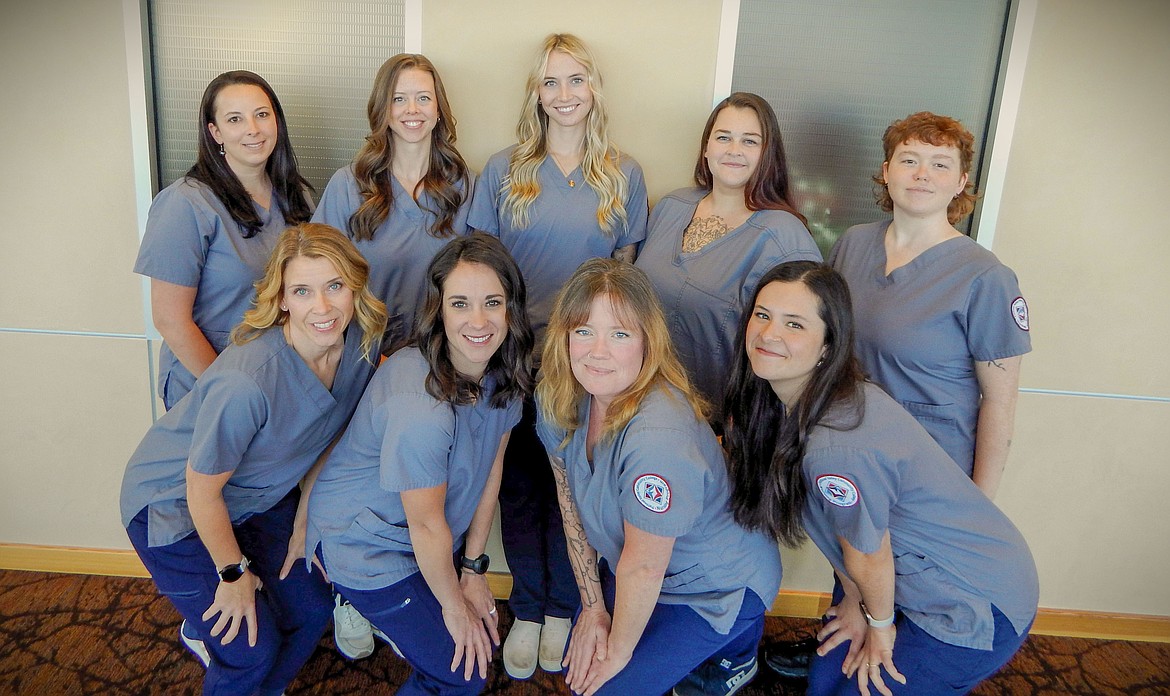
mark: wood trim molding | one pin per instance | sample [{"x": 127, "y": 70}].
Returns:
[{"x": 808, "y": 605}]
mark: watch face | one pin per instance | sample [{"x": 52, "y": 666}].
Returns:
[
  {"x": 231, "y": 573},
  {"x": 479, "y": 566}
]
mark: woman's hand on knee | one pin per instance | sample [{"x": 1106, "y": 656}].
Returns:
[
  {"x": 878, "y": 653},
  {"x": 588, "y": 642},
  {"x": 472, "y": 647},
  {"x": 235, "y": 602},
  {"x": 479, "y": 598}
]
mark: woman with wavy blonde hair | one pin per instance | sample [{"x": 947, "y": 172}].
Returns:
[
  {"x": 408, "y": 190},
  {"x": 211, "y": 498},
  {"x": 667, "y": 579},
  {"x": 561, "y": 195}
]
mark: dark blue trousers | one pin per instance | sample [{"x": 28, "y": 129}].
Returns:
[
  {"x": 931, "y": 667},
  {"x": 531, "y": 529},
  {"x": 409, "y": 614},
  {"x": 291, "y": 614},
  {"x": 677, "y": 640}
]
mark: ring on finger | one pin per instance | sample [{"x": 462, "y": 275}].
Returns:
[{"x": 493, "y": 610}]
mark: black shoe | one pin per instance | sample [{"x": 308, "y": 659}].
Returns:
[{"x": 790, "y": 659}]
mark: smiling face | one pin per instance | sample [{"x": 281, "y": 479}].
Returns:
[
  {"x": 475, "y": 317},
  {"x": 734, "y": 146},
  {"x": 605, "y": 352},
  {"x": 245, "y": 125},
  {"x": 319, "y": 305},
  {"x": 564, "y": 91},
  {"x": 414, "y": 111},
  {"x": 785, "y": 337},
  {"x": 922, "y": 178}
]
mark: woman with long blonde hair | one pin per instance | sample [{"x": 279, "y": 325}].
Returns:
[{"x": 561, "y": 195}]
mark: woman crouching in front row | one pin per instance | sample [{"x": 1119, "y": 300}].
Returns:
[{"x": 939, "y": 588}]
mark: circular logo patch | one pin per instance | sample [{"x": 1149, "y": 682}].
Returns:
[
  {"x": 652, "y": 492},
  {"x": 1020, "y": 313},
  {"x": 838, "y": 490}
]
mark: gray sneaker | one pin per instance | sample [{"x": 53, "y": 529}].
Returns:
[
  {"x": 721, "y": 679},
  {"x": 196, "y": 646},
  {"x": 351, "y": 630}
]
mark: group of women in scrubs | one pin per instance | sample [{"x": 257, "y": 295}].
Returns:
[{"x": 641, "y": 560}]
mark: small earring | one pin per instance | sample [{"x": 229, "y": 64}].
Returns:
[
  {"x": 955, "y": 197},
  {"x": 820, "y": 362},
  {"x": 283, "y": 308},
  {"x": 221, "y": 152}
]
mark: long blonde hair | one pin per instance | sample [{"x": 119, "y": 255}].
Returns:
[
  {"x": 601, "y": 163},
  {"x": 636, "y": 304},
  {"x": 315, "y": 241}
]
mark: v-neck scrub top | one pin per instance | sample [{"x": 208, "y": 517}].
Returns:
[
  {"x": 192, "y": 240},
  {"x": 402, "y": 247},
  {"x": 955, "y": 553},
  {"x": 665, "y": 474},
  {"x": 401, "y": 438},
  {"x": 705, "y": 292},
  {"x": 562, "y": 231},
  {"x": 258, "y": 411},
  {"x": 921, "y": 329}
]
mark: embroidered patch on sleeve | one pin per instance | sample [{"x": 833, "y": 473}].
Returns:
[
  {"x": 838, "y": 490},
  {"x": 653, "y": 492},
  {"x": 1020, "y": 313}
]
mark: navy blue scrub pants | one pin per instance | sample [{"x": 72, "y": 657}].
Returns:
[
  {"x": 931, "y": 667},
  {"x": 291, "y": 614},
  {"x": 409, "y": 614},
  {"x": 531, "y": 530},
  {"x": 677, "y": 640}
]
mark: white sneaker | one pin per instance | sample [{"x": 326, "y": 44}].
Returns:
[
  {"x": 553, "y": 637},
  {"x": 520, "y": 650},
  {"x": 351, "y": 630},
  {"x": 195, "y": 645}
]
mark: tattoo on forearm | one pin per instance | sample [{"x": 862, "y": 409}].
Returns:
[
  {"x": 995, "y": 363},
  {"x": 581, "y": 555},
  {"x": 625, "y": 253}
]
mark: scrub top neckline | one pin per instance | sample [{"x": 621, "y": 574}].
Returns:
[
  {"x": 680, "y": 255},
  {"x": 566, "y": 182},
  {"x": 314, "y": 387},
  {"x": 909, "y": 270},
  {"x": 404, "y": 201}
]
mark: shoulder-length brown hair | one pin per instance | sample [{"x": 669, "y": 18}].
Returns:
[
  {"x": 372, "y": 165},
  {"x": 636, "y": 305},
  {"x": 942, "y": 131},
  {"x": 315, "y": 241}
]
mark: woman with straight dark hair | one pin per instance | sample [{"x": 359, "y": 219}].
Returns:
[
  {"x": 936, "y": 588},
  {"x": 408, "y": 190},
  {"x": 708, "y": 245},
  {"x": 667, "y": 579},
  {"x": 210, "y": 498},
  {"x": 401, "y": 511},
  {"x": 563, "y": 194},
  {"x": 209, "y": 234}
]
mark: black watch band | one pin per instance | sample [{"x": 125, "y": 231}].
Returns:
[
  {"x": 235, "y": 571},
  {"x": 479, "y": 566}
]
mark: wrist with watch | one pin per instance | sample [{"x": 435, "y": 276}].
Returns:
[
  {"x": 478, "y": 565},
  {"x": 878, "y": 623},
  {"x": 234, "y": 571}
]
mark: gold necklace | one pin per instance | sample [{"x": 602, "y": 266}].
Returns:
[{"x": 560, "y": 166}]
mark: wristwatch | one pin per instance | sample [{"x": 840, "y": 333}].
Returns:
[
  {"x": 479, "y": 566},
  {"x": 235, "y": 571},
  {"x": 878, "y": 623}
]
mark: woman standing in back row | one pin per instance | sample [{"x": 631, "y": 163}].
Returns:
[{"x": 563, "y": 194}]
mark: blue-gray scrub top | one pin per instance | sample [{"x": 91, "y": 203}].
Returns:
[
  {"x": 401, "y": 438},
  {"x": 921, "y": 329},
  {"x": 192, "y": 240},
  {"x": 704, "y": 292},
  {"x": 258, "y": 411},
  {"x": 665, "y": 474},
  {"x": 955, "y": 552},
  {"x": 402, "y": 246},
  {"x": 562, "y": 231}
]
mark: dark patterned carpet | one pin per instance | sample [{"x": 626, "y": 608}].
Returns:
[{"x": 76, "y": 634}]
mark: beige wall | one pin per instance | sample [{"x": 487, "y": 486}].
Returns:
[{"x": 1087, "y": 477}]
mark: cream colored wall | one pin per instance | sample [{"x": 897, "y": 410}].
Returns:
[
  {"x": 1083, "y": 223},
  {"x": 1087, "y": 474},
  {"x": 73, "y": 406}
]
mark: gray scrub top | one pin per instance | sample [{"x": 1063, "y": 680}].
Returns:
[
  {"x": 665, "y": 474},
  {"x": 192, "y": 240},
  {"x": 401, "y": 438},
  {"x": 921, "y": 329},
  {"x": 562, "y": 231},
  {"x": 955, "y": 552},
  {"x": 704, "y": 292},
  {"x": 402, "y": 246},
  {"x": 258, "y": 411}
]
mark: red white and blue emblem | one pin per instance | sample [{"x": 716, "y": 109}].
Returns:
[
  {"x": 838, "y": 490},
  {"x": 653, "y": 492},
  {"x": 1020, "y": 313}
]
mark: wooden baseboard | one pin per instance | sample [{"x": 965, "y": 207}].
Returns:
[{"x": 1051, "y": 622}]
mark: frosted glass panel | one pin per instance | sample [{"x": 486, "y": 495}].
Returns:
[
  {"x": 837, "y": 72},
  {"x": 319, "y": 56}
]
